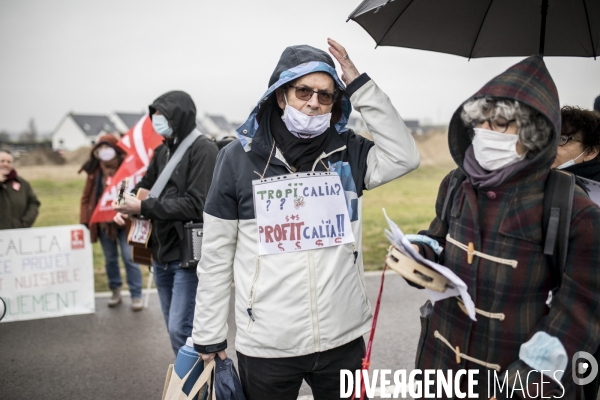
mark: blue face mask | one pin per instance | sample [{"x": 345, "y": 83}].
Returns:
[{"x": 161, "y": 125}]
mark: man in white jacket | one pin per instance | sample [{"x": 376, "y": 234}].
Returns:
[{"x": 301, "y": 314}]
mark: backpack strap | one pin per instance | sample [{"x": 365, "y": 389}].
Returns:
[
  {"x": 556, "y": 219},
  {"x": 167, "y": 171},
  {"x": 456, "y": 179}
]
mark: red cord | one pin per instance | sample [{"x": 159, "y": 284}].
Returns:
[{"x": 367, "y": 360}]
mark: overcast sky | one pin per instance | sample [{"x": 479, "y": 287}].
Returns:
[{"x": 101, "y": 56}]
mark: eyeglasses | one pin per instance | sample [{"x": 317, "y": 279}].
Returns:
[
  {"x": 304, "y": 93},
  {"x": 564, "y": 139},
  {"x": 497, "y": 124}
]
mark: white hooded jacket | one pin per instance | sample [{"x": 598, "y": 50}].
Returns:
[{"x": 297, "y": 303}]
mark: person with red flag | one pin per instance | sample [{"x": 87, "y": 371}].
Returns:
[
  {"x": 105, "y": 159},
  {"x": 139, "y": 145}
]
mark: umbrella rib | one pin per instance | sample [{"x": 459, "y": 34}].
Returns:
[
  {"x": 394, "y": 23},
  {"x": 479, "y": 30},
  {"x": 589, "y": 28},
  {"x": 355, "y": 10}
]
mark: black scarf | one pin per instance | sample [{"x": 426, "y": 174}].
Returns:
[
  {"x": 12, "y": 175},
  {"x": 299, "y": 153},
  {"x": 587, "y": 169}
]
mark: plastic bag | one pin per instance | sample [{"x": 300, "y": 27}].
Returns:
[{"x": 227, "y": 381}]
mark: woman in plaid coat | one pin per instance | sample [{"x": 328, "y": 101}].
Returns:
[{"x": 504, "y": 140}]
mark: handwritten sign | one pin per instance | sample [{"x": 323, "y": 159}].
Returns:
[
  {"x": 46, "y": 272},
  {"x": 301, "y": 211}
]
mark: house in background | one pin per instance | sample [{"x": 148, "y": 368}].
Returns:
[
  {"x": 413, "y": 126},
  {"x": 233, "y": 126},
  {"x": 358, "y": 125},
  {"x": 216, "y": 126},
  {"x": 125, "y": 121},
  {"x": 78, "y": 130}
]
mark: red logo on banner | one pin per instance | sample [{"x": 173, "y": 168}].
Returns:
[
  {"x": 139, "y": 144},
  {"x": 77, "y": 241}
]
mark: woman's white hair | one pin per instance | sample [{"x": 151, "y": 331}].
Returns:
[{"x": 534, "y": 130}]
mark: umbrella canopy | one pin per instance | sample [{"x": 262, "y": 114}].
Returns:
[{"x": 485, "y": 28}]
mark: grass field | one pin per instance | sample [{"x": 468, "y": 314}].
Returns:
[
  {"x": 409, "y": 201},
  {"x": 60, "y": 200}
]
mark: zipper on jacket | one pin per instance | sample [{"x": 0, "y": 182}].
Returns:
[
  {"x": 362, "y": 284},
  {"x": 159, "y": 245},
  {"x": 251, "y": 318},
  {"x": 313, "y": 301}
]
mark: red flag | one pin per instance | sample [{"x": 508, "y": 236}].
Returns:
[{"x": 139, "y": 144}]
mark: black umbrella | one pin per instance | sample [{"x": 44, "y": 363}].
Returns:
[{"x": 485, "y": 28}]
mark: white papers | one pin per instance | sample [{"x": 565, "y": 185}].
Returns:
[{"x": 399, "y": 241}]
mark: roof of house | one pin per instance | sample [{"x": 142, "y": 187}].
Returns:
[
  {"x": 92, "y": 125},
  {"x": 130, "y": 119},
  {"x": 412, "y": 123},
  {"x": 220, "y": 121},
  {"x": 200, "y": 127}
]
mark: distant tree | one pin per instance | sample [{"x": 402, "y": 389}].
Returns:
[
  {"x": 4, "y": 137},
  {"x": 32, "y": 129},
  {"x": 30, "y": 135}
]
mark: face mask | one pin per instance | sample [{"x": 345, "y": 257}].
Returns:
[
  {"x": 494, "y": 150},
  {"x": 106, "y": 154},
  {"x": 161, "y": 125},
  {"x": 303, "y": 126},
  {"x": 570, "y": 162}
]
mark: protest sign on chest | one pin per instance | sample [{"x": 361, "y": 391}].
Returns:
[{"x": 301, "y": 211}]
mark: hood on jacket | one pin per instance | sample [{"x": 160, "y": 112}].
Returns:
[
  {"x": 528, "y": 82},
  {"x": 295, "y": 62},
  {"x": 93, "y": 163},
  {"x": 180, "y": 110},
  {"x": 110, "y": 140}
]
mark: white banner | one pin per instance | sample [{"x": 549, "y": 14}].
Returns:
[
  {"x": 46, "y": 272},
  {"x": 301, "y": 211}
]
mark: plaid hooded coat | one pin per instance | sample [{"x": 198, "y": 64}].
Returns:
[{"x": 506, "y": 222}]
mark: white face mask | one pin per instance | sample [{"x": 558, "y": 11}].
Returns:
[
  {"x": 495, "y": 150},
  {"x": 161, "y": 125},
  {"x": 106, "y": 154},
  {"x": 570, "y": 162},
  {"x": 304, "y": 126}
]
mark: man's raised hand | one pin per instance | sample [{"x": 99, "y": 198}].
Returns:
[{"x": 349, "y": 71}]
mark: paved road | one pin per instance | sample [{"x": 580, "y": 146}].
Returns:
[{"x": 116, "y": 353}]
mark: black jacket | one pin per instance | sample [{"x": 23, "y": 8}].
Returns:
[
  {"x": 19, "y": 206},
  {"x": 183, "y": 198},
  {"x": 588, "y": 169}
]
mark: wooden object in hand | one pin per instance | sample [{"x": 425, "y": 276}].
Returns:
[{"x": 415, "y": 272}]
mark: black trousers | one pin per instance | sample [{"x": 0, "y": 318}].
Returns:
[{"x": 281, "y": 378}]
